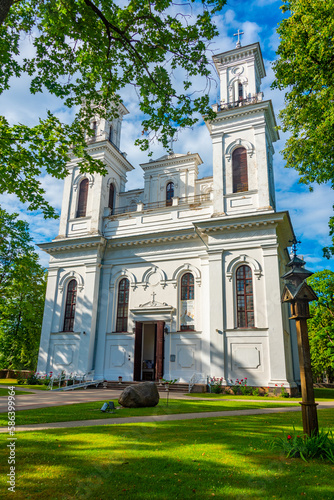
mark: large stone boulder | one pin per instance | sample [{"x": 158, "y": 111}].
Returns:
[{"x": 139, "y": 395}]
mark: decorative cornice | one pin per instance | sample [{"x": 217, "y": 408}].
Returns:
[
  {"x": 241, "y": 225},
  {"x": 148, "y": 241},
  {"x": 171, "y": 161},
  {"x": 72, "y": 244}
]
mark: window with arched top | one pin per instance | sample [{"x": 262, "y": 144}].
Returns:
[
  {"x": 187, "y": 306},
  {"x": 169, "y": 194},
  {"x": 111, "y": 200},
  {"x": 240, "y": 91},
  {"x": 245, "y": 299},
  {"x": 71, "y": 300},
  {"x": 83, "y": 195},
  {"x": 239, "y": 170},
  {"x": 122, "y": 306}
]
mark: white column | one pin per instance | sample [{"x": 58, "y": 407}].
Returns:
[
  {"x": 262, "y": 166},
  {"x": 216, "y": 314},
  {"x": 50, "y": 300},
  {"x": 205, "y": 315},
  {"x": 66, "y": 205},
  {"x": 218, "y": 174},
  {"x": 105, "y": 308},
  {"x": 277, "y": 355},
  {"x": 88, "y": 317}
]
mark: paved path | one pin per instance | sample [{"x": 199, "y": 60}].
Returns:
[
  {"x": 158, "y": 418},
  {"x": 43, "y": 399}
]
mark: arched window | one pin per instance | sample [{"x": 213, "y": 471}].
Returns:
[
  {"x": 245, "y": 302},
  {"x": 239, "y": 170},
  {"x": 71, "y": 299},
  {"x": 122, "y": 306},
  {"x": 111, "y": 197},
  {"x": 240, "y": 92},
  {"x": 187, "y": 310},
  {"x": 83, "y": 194},
  {"x": 169, "y": 193},
  {"x": 94, "y": 127}
]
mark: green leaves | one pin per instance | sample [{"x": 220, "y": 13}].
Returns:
[
  {"x": 305, "y": 69},
  {"x": 321, "y": 324},
  {"x": 90, "y": 51},
  {"x": 22, "y": 291}
]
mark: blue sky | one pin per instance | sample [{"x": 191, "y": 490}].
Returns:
[{"x": 258, "y": 20}]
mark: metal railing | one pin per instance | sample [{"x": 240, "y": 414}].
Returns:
[
  {"x": 241, "y": 102},
  {"x": 191, "y": 201}
]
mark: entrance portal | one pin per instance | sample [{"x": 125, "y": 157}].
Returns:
[{"x": 149, "y": 351}]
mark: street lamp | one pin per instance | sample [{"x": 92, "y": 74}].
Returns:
[{"x": 298, "y": 293}]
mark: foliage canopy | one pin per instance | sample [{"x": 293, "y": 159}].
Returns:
[
  {"x": 22, "y": 291},
  {"x": 305, "y": 69},
  {"x": 321, "y": 324},
  {"x": 89, "y": 51}
]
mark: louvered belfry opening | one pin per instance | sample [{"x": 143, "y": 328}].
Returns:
[
  {"x": 83, "y": 194},
  {"x": 239, "y": 170}
]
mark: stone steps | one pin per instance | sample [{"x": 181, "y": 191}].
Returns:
[{"x": 113, "y": 384}]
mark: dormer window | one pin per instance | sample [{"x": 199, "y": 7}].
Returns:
[{"x": 169, "y": 194}]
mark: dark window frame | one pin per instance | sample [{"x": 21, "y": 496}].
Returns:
[
  {"x": 244, "y": 297},
  {"x": 111, "y": 201},
  {"x": 82, "y": 198},
  {"x": 239, "y": 170},
  {"x": 122, "y": 306},
  {"x": 70, "y": 306},
  {"x": 169, "y": 193},
  {"x": 187, "y": 283}
]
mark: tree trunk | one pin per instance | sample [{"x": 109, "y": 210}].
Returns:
[{"x": 5, "y": 6}]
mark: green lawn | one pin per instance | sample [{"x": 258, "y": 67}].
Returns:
[
  {"x": 227, "y": 457},
  {"x": 87, "y": 411},
  {"x": 321, "y": 394},
  {"x": 13, "y": 381},
  {"x": 4, "y": 392}
]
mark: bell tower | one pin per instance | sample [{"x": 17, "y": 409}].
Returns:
[
  {"x": 87, "y": 198},
  {"x": 242, "y": 135}
]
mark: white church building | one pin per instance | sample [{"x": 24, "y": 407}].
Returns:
[{"x": 181, "y": 277}]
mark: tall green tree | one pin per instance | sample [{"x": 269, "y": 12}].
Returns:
[
  {"x": 305, "y": 70},
  {"x": 22, "y": 294},
  {"x": 88, "y": 51},
  {"x": 321, "y": 324}
]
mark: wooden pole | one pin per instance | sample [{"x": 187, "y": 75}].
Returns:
[{"x": 309, "y": 407}]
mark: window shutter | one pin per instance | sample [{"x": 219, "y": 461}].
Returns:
[
  {"x": 239, "y": 170},
  {"x": 82, "y": 203}
]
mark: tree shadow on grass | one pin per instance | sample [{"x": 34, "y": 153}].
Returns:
[{"x": 227, "y": 457}]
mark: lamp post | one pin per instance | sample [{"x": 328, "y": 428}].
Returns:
[{"x": 298, "y": 293}]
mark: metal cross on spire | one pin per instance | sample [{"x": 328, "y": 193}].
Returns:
[
  {"x": 238, "y": 45},
  {"x": 294, "y": 242}
]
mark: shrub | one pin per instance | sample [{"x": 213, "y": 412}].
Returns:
[
  {"x": 216, "y": 384},
  {"x": 306, "y": 447},
  {"x": 32, "y": 379}
]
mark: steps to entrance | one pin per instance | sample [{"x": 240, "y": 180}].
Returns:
[{"x": 161, "y": 387}]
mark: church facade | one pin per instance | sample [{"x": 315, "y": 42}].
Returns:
[{"x": 182, "y": 277}]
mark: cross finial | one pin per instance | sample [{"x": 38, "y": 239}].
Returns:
[
  {"x": 294, "y": 242},
  {"x": 153, "y": 297},
  {"x": 238, "y": 45}
]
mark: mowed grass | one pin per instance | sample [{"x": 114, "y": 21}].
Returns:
[
  {"x": 320, "y": 394},
  {"x": 227, "y": 457},
  {"x": 13, "y": 382},
  {"x": 87, "y": 411},
  {"x": 4, "y": 392}
]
